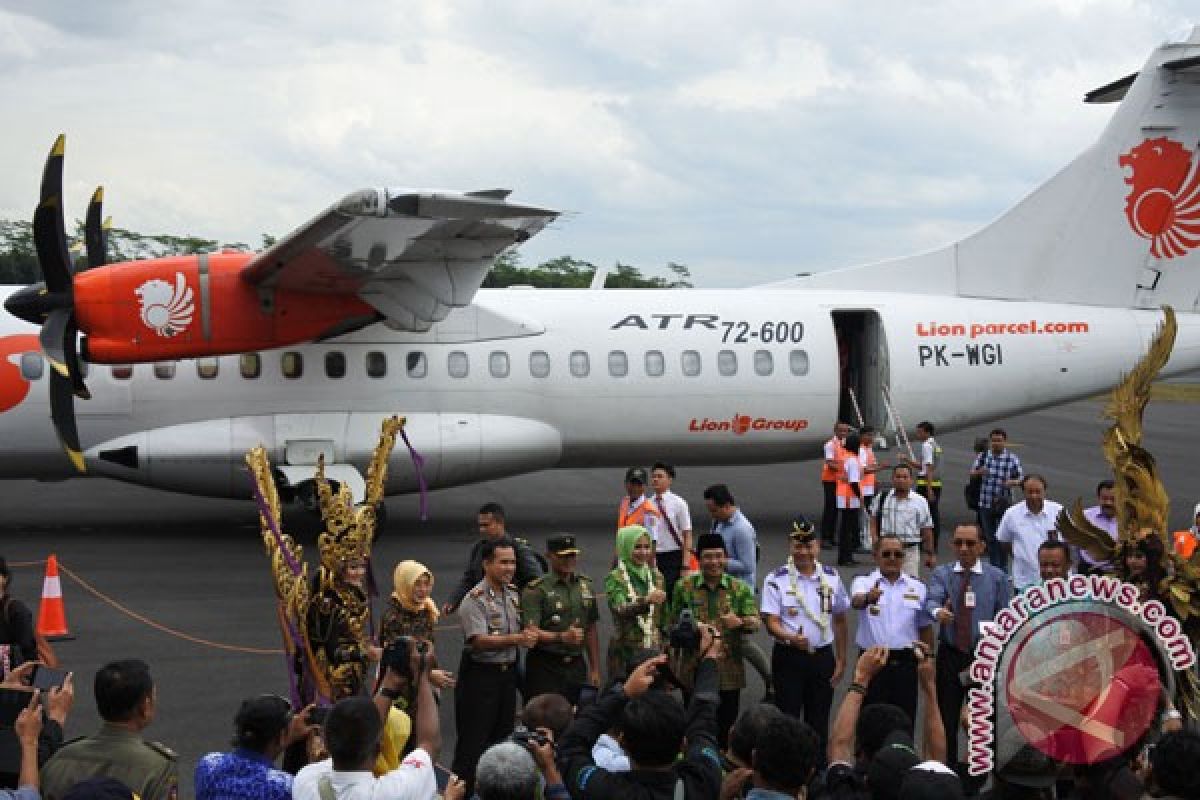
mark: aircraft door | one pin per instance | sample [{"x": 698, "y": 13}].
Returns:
[{"x": 863, "y": 366}]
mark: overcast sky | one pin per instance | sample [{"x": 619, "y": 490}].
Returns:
[{"x": 749, "y": 141}]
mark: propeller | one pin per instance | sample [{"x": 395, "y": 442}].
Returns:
[{"x": 52, "y": 302}]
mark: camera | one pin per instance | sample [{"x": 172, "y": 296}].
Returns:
[
  {"x": 685, "y": 635},
  {"x": 398, "y": 655},
  {"x": 528, "y": 738}
]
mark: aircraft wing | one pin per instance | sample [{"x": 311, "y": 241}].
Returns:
[{"x": 411, "y": 255}]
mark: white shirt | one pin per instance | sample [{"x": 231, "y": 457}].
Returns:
[
  {"x": 900, "y": 617},
  {"x": 864, "y": 461},
  {"x": 677, "y": 511},
  {"x": 853, "y": 472},
  {"x": 607, "y": 754},
  {"x": 1026, "y": 531},
  {"x": 780, "y": 601},
  {"x": 904, "y": 516},
  {"x": 926, "y": 457},
  {"x": 413, "y": 780}
]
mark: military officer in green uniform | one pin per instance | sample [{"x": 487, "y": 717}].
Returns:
[
  {"x": 562, "y": 607},
  {"x": 727, "y": 603},
  {"x": 485, "y": 697},
  {"x": 125, "y": 698}
]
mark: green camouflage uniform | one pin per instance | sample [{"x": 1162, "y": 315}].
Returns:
[
  {"x": 148, "y": 768},
  {"x": 553, "y": 604}
]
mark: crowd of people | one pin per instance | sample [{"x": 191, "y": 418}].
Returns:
[{"x": 541, "y": 713}]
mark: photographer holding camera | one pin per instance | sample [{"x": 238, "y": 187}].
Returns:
[
  {"x": 727, "y": 603},
  {"x": 652, "y": 727}
]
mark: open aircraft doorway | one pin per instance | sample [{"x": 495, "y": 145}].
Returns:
[{"x": 863, "y": 367}]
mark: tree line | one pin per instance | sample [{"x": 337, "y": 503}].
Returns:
[{"x": 18, "y": 260}]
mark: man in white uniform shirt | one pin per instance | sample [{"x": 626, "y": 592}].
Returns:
[
  {"x": 804, "y": 604},
  {"x": 672, "y": 528},
  {"x": 891, "y": 614},
  {"x": 1024, "y": 527},
  {"x": 905, "y": 514}
]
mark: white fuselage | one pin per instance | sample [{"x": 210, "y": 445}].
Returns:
[{"x": 527, "y": 379}]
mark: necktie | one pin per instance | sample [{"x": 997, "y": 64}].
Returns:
[{"x": 962, "y": 616}]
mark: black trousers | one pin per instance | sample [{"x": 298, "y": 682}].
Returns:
[
  {"x": 485, "y": 704},
  {"x": 951, "y": 694},
  {"x": 896, "y": 683},
  {"x": 729, "y": 702},
  {"x": 547, "y": 672},
  {"x": 802, "y": 686},
  {"x": 933, "y": 496},
  {"x": 670, "y": 564},
  {"x": 829, "y": 512},
  {"x": 849, "y": 528}
]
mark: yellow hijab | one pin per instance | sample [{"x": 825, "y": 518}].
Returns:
[{"x": 406, "y": 575}]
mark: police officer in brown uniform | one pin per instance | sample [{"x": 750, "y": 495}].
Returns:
[
  {"x": 562, "y": 607},
  {"x": 485, "y": 699}
]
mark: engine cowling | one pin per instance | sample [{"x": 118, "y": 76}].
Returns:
[{"x": 195, "y": 306}]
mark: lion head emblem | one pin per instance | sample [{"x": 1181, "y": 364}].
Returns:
[
  {"x": 166, "y": 309},
  {"x": 1163, "y": 204},
  {"x": 741, "y": 423}
]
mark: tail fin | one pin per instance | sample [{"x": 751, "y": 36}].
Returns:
[{"x": 1119, "y": 226}]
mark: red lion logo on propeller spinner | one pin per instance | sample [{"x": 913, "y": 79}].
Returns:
[{"x": 1164, "y": 204}]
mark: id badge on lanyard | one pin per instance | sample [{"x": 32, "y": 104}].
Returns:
[{"x": 969, "y": 598}]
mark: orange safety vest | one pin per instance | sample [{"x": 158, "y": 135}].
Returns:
[
  {"x": 637, "y": 516},
  {"x": 839, "y": 453},
  {"x": 1184, "y": 543},
  {"x": 844, "y": 491},
  {"x": 867, "y": 483}
]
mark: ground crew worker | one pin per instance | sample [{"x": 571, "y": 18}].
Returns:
[
  {"x": 804, "y": 604},
  {"x": 491, "y": 527},
  {"x": 869, "y": 465},
  {"x": 891, "y": 614},
  {"x": 849, "y": 501},
  {"x": 561, "y": 606},
  {"x": 126, "y": 702},
  {"x": 727, "y": 603},
  {"x": 636, "y": 508},
  {"x": 829, "y": 472},
  {"x": 485, "y": 699},
  {"x": 929, "y": 475}
]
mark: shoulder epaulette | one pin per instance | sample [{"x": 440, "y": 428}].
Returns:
[
  {"x": 162, "y": 750},
  {"x": 829, "y": 570},
  {"x": 779, "y": 573},
  {"x": 533, "y": 584}
]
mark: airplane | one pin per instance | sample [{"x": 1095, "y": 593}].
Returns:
[{"x": 374, "y": 308}]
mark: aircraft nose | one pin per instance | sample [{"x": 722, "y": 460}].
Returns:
[{"x": 33, "y": 303}]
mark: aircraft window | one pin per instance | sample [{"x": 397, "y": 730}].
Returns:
[
  {"x": 164, "y": 370},
  {"x": 539, "y": 363},
  {"x": 458, "y": 364},
  {"x": 250, "y": 365},
  {"x": 122, "y": 372},
  {"x": 580, "y": 365},
  {"x": 656, "y": 365},
  {"x": 32, "y": 366},
  {"x": 206, "y": 368},
  {"x": 690, "y": 361},
  {"x": 618, "y": 363},
  {"x": 799, "y": 362},
  {"x": 727, "y": 363},
  {"x": 764, "y": 363},
  {"x": 335, "y": 364},
  {"x": 292, "y": 364},
  {"x": 498, "y": 364},
  {"x": 376, "y": 364},
  {"x": 416, "y": 365}
]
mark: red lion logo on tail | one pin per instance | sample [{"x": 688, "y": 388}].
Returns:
[{"x": 1164, "y": 203}]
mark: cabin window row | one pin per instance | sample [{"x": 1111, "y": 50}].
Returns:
[{"x": 458, "y": 365}]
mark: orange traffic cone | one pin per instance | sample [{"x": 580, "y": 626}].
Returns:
[{"x": 52, "y": 616}]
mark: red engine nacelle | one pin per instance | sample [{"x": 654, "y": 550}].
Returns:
[{"x": 194, "y": 306}]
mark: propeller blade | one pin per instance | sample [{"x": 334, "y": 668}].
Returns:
[
  {"x": 53, "y": 338},
  {"x": 62, "y": 412},
  {"x": 71, "y": 346},
  {"x": 49, "y": 235},
  {"x": 94, "y": 233}
]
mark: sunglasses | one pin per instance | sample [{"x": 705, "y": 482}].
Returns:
[
  {"x": 891, "y": 554},
  {"x": 964, "y": 542}
]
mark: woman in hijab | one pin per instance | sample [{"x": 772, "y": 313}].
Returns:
[
  {"x": 17, "y": 641},
  {"x": 637, "y": 599},
  {"x": 411, "y": 612}
]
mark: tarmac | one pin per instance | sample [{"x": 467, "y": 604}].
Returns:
[{"x": 183, "y": 583}]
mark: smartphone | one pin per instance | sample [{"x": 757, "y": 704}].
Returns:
[
  {"x": 442, "y": 776},
  {"x": 11, "y": 703},
  {"x": 47, "y": 678}
]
